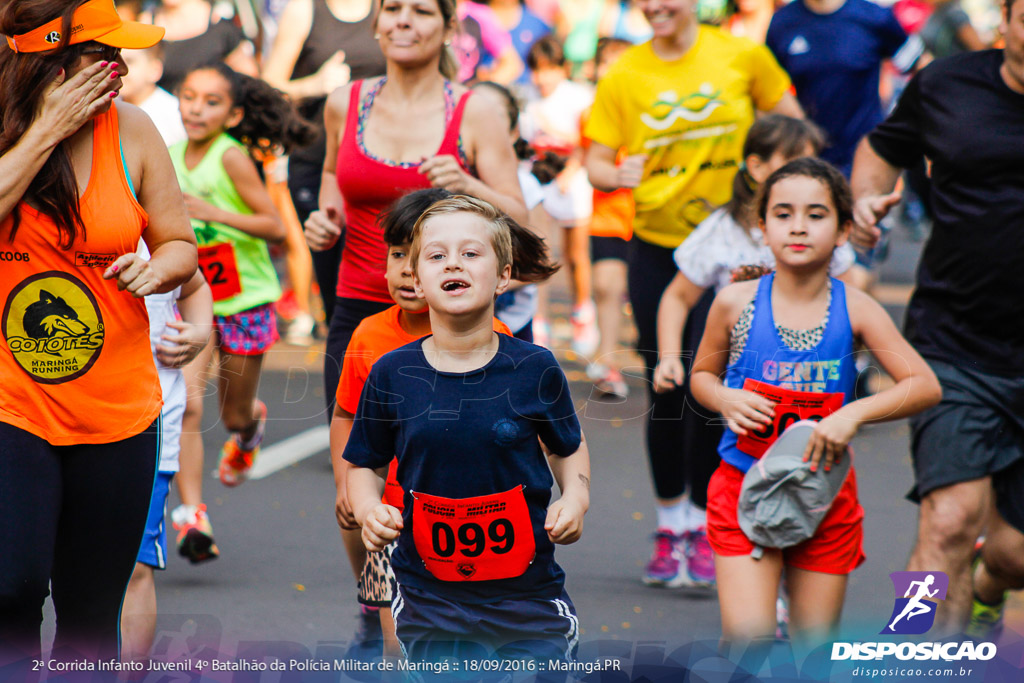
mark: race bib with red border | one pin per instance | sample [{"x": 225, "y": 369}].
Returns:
[
  {"x": 474, "y": 539},
  {"x": 217, "y": 261},
  {"x": 790, "y": 406}
]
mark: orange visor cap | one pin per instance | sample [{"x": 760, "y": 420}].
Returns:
[{"x": 95, "y": 20}]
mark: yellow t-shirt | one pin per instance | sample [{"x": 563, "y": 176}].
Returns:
[{"x": 690, "y": 117}]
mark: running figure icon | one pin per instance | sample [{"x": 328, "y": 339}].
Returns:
[{"x": 915, "y": 606}]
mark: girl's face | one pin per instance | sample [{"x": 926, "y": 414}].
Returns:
[
  {"x": 399, "y": 278},
  {"x": 760, "y": 169},
  {"x": 668, "y": 17},
  {"x": 457, "y": 271},
  {"x": 801, "y": 225},
  {"x": 411, "y": 31},
  {"x": 206, "y": 107}
]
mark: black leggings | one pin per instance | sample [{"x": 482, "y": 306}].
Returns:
[
  {"x": 682, "y": 436},
  {"x": 348, "y": 313},
  {"x": 304, "y": 187},
  {"x": 73, "y": 518}
]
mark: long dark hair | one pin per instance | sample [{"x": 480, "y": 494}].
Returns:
[
  {"x": 770, "y": 134},
  {"x": 24, "y": 78},
  {"x": 531, "y": 261},
  {"x": 269, "y": 121},
  {"x": 545, "y": 167}
]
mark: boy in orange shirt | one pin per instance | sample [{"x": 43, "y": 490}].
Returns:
[{"x": 375, "y": 336}]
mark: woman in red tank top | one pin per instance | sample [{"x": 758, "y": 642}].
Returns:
[{"x": 386, "y": 137}]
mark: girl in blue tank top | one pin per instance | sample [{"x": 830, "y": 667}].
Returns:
[{"x": 778, "y": 350}]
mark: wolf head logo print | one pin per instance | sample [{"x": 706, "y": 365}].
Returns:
[
  {"x": 917, "y": 596},
  {"x": 53, "y": 327}
]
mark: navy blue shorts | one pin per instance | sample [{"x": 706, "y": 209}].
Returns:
[{"x": 432, "y": 629}]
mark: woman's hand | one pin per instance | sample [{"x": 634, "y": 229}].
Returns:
[
  {"x": 183, "y": 347},
  {"x": 668, "y": 374},
  {"x": 323, "y": 229},
  {"x": 66, "y": 105},
  {"x": 333, "y": 73},
  {"x": 830, "y": 439},
  {"x": 134, "y": 274},
  {"x": 746, "y": 410},
  {"x": 444, "y": 171}
]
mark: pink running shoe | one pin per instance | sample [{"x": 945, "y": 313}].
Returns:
[
  {"x": 700, "y": 559},
  {"x": 666, "y": 565}
]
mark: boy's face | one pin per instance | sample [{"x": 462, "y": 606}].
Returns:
[
  {"x": 145, "y": 71},
  {"x": 547, "y": 76},
  {"x": 399, "y": 277},
  {"x": 457, "y": 272}
]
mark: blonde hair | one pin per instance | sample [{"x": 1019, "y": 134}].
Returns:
[{"x": 498, "y": 226}]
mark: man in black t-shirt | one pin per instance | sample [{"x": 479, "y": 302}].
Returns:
[{"x": 965, "y": 114}]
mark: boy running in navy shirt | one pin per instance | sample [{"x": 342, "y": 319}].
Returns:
[{"x": 470, "y": 415}]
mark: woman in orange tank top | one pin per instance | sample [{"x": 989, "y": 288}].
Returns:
[{"x": 81, "y": 181}]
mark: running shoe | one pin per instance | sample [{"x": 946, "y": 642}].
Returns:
[
  {"x": 300, "y": 330},
  {"x": 235, "y": 462},
  {"x": 700, "y": 559},
  {"x": 585, "y": 336},
  {"x": 368, "y": 639},
  {"x": 666, "y": 565},
  {"x": 195, "y": 534},
  {"x": 986, "y": 620},
  {"x": 608, "y": 381}
]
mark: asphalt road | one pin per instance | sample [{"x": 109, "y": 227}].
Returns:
[{"x": 282, "y": 585}]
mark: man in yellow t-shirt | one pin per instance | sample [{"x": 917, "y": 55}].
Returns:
[{"x": 681, "y": 106}]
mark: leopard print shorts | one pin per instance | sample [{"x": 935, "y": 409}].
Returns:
[{"x": 377, "y": 582}]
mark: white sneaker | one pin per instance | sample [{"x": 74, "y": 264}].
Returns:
[{"x": 300, "y": 330}]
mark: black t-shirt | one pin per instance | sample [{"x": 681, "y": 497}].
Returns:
[
  {"x": 462, "y": 435},
  {"x": 217, "y": 42},
  {"x": 969, "y": 303}
]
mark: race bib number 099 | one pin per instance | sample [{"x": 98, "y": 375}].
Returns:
[
  {"x": 474, "y": 539},
  {"x": 790, "y": 406}
]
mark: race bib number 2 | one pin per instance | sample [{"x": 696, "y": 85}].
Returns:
[
  {"x": 790, "y": 406},
  {"x": 474, "y": 539},
  {"x": 217, "y": 261}
]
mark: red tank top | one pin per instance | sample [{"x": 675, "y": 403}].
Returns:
[{"x": 369, "y": 186}]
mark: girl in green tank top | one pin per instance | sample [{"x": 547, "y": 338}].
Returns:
[{"x": 227, "y": 116}]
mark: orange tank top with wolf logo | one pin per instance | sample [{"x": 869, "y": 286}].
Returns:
[{"x": 75, "y": 358}]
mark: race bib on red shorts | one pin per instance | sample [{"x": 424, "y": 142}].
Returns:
[
  {"x": 474, "y": 539},
  {"x": 217, "y": 261},
  {"x": 790, "y": 406}
]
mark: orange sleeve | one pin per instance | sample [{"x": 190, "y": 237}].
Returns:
[
  {"x": 501, "y": 328},
  {"x": 359, "y": 358}
]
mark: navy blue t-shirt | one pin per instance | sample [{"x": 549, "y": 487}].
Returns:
[
  {"x": 834, "y": 61},
  {"x": 461, "y": 435}
]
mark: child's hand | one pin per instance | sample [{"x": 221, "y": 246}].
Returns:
[
  {"x": 830, "y": 439},
  {"x": 323, "y": 229},
  {"x": 201, "y": 210},
  {"x": 668, "y": 374},
  {"x": 381, "y": 527},
  {"x": 746, "y": 410},
  {"x": 343, "y": 510},
  {"x": 564, "y": 522},
  {"x": 184, "y": 346},
  {"x": 631, "y": 170},
  {"x": 134, "y": 274},
  {"x": 444, "y": 171}
]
